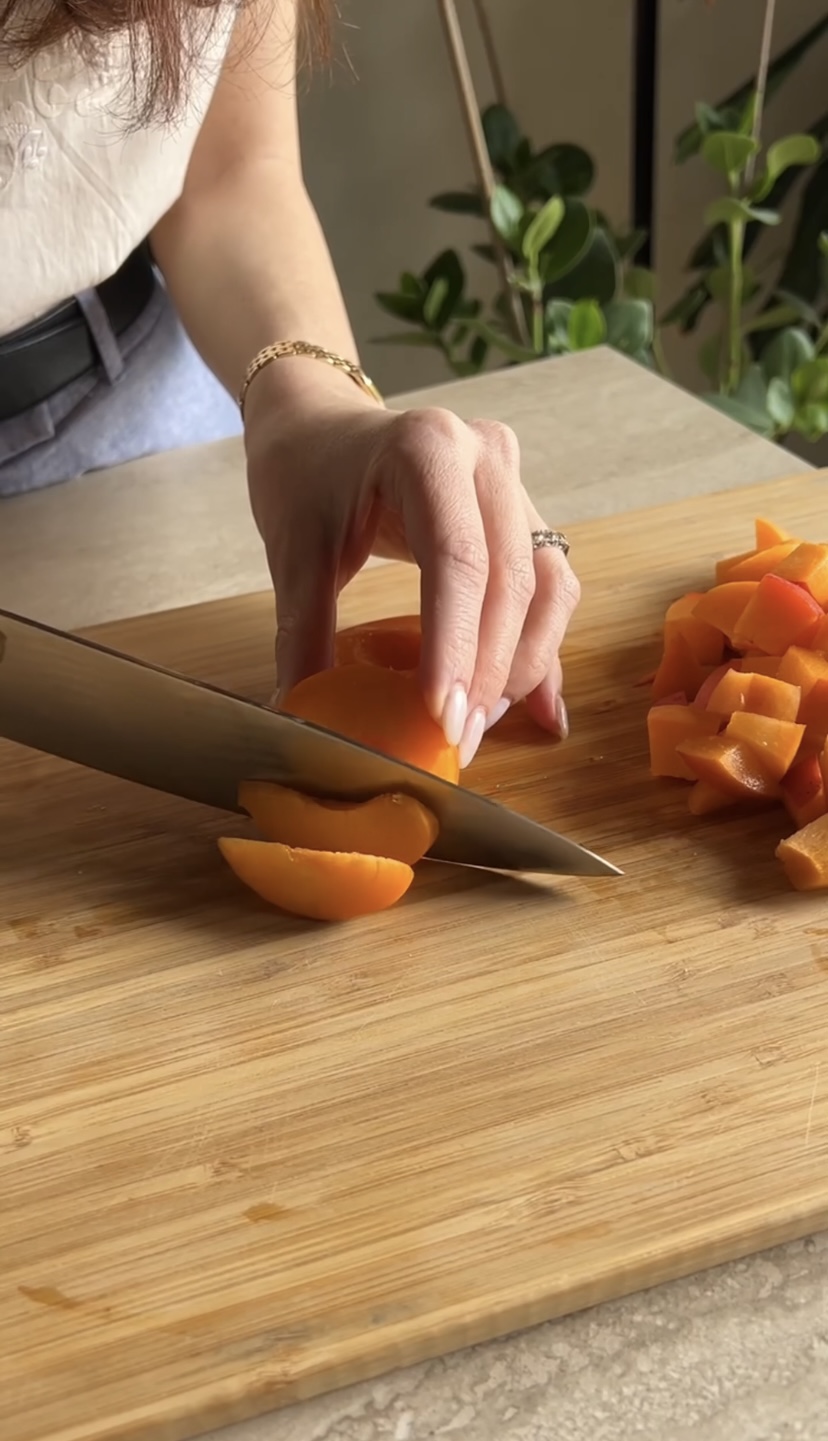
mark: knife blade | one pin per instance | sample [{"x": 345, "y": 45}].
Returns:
[{"x": 83, "y": 702}]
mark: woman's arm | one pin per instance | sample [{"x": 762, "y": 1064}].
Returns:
[
  {"x": 242, "y": 251},
  {"x": 332, "y": 475}
]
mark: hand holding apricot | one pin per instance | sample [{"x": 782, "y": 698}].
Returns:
[{"x": 338, "y": 481}]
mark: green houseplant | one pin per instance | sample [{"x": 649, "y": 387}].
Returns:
[{"x": 572, "y": 280}]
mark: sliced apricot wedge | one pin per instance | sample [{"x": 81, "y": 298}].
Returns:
[
  {"x": 317, "y": 885},
  {"x": 395, "y": 826},
  {"x": 393, "y": 642}
]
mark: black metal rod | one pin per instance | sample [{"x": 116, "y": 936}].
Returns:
[{"x": 645, "y": 114}]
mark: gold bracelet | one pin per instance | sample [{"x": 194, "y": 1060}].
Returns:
[{"x": 286, "y": 348}]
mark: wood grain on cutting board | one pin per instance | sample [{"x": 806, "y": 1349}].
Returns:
[{"x": 244, "y": 1159}]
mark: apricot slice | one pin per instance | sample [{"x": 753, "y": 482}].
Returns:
[
  {"x": 393, "y": 642},
  {"x": 317, "y": 885},
  {"x": 804, "y": 856},
  {"x": 380, "y": 708},
  {"x": 706, "y": 800},
  {"x": 395, "y": 826}
]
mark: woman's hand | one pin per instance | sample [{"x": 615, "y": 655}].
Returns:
[{"x": 341, "y": 479}]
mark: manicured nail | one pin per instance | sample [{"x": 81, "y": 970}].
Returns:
[
  {"x": 455, "y": 713},
  {"x": 472, "y": 738},
  {"x": 497, "y": 712},
  {"x": 562, "y": 716}
]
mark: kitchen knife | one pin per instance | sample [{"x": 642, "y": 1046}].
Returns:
[{"x": 86, "y": 703}]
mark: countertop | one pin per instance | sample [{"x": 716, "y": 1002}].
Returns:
[{"x": 739, "y": 1353}]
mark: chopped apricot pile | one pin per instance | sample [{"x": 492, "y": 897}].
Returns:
[
  {"x": 330, "y": 860},
  {"x": 740, "y": 696}
]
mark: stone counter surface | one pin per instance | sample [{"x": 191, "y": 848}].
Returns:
[{"x": 739, "y": 1353}]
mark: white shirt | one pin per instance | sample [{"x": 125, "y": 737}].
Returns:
[{"x": 80, "y": 189}]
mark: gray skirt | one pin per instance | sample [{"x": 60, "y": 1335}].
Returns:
[{"x": 152, "y": 393}]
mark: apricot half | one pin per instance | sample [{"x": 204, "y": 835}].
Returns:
[
  {"x": 393, "y": 642},
  {"x": 380, "y": 708},
  {"x": 395, "y": 826},
  {"x": 317, "y": 885}
]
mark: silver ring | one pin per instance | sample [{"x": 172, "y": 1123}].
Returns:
[{"x": 541, "y": 538}]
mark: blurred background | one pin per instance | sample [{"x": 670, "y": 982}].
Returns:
[{"x": 384, "y": 132}]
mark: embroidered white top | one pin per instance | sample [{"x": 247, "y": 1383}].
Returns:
[{"x": 79, "y": 188}]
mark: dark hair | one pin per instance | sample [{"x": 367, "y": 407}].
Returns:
[{"x": 165, "y": 37}]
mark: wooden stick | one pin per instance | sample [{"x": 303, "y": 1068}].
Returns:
[
  {"x": 761, "y": 81},
  {"x": 477, "y": 141}
]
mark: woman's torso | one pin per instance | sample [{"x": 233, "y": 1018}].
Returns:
[{"x": 80, "y": 188}]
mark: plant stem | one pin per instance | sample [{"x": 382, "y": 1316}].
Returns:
[
  {"x": 477, "y": 141},
  {"x": 761, "y": 81},
  {"x": 538, "y": 328},
  {"x": 484, "y": 25},
  {"x": 734, "y": 329},
  {"x": 658, "y": 355}
]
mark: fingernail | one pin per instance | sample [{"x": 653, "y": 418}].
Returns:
[
  {"x": 455, "y": 713},
  {"x": 562, "y": 716},
  {"x": 497, "y": 712},
  {"x": 472, "y": 738}
]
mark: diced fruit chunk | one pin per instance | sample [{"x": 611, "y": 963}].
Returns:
[
  {"x": 778, "y": 614},
  {"x": 723, "y": 605},
  {"x": 667, "y": 726},
  {"x": 751, "y": 691},
  {"x": 807, "y": 564},
  {"x": 804, "y": 856},
  {"x": 802, "y": 667},
  {"x": 803, "y": 790},
  {"x": 728, "y": 766},
  {"x": 705, "y": 800},
  {"x": 705, "y": 641},
  {"x": 679, "y": 669},
  {"x": 768, "y": 533},
  {"x": 758, "y": 563},
  {"x": 774, "y": 742}
]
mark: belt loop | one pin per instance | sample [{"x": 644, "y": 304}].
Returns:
[{"x": 103, "y": 336}]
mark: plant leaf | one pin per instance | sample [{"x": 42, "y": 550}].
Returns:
[
  {"x": 587, "y": 326},
  {"x": 595, "y": 276},
  {"x": 401, "y": 306},
  {"x": 728, "y": 152},
  {"x": 792, "y": 152},
  {"x": 728, "y": 210},
  {"x": 445, "y": 280},
  {"x": 542, "y": 227},
  {"x": 708, "y": 118},
  {"x": 501, "y": 341},
  {"x": 801, "y": 273},
  {"x": 459, "y": 202},
  {"x": 779, "y": 400},
  {"x": 809, "y": 382},
  {"x": 507, "y": 214},
  {"x": 640, "y": 283},
  {"x": 788, "y": 351},
  {"x": 486, "y": 251},
  {"x": 629, "y": 325},
  {"x": 747, "y": 415},
  {"x": 503, "y": 136},
  {"x": 812, "y": 421},
  {"x": 570, "y": 242},
  {"x": 772, "y": 319},
  {"x": 628, "y": 246},
  {"x": 752, "y": 389},
  {"x": 557, "y": 315},
  {"x": 686, "y": 311}
]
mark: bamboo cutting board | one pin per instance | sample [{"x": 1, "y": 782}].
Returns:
[{"x": 244, "y": 1159}]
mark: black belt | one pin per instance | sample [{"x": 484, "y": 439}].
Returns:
[{"x": 41, "y": 358}]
